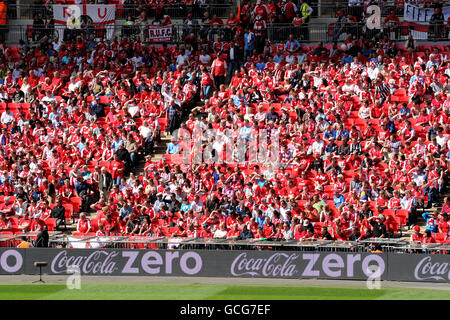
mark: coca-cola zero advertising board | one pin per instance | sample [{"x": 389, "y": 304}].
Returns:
[
  {"x": 420, "y": 267},
  {"x": 229, "y": 263}
]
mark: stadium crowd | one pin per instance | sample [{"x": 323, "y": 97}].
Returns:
[{"x": 361, "y": 128}]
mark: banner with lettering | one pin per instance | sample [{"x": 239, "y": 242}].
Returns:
[
  {"x": 160, "y": 33},
  {"x": 70, "y": 17},
  {"x": 370, "y": 267},
  {"x": 419, "y": 19}
]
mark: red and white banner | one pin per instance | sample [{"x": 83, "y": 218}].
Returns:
[
  {"x": 160, "y": 33},
  {"x": 419, "y": 19},
  {"x": 70, "y": 16}
]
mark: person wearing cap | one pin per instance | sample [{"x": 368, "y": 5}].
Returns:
[
  {"x": 417, "y": 235},
  {"x": 432, "y": 221},
  {"x": 159, "y": 202},
  {"x": 339, "y": 25},
  {"x": 189, "y": 25},
  {"x": 391, "y": 24}
]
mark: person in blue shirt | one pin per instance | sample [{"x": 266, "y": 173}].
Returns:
[
  {"x": 81, "y": 144},
  {"x": 249, "y": 43},
  {"x": 261, "y": 181},
  {"x": 347, "y": 58},
  {"x": 260, "y": 65},
  {"x": 245, "y": 130},
  {"x": 260, "y": 218},
  {"x": 339, "y": 200},
  {"x": 320, "y": 114},
  {"x": 173, "y": 147},
  {"x": 292, "y": 45},
  {"x": 329, "y": 134},
  {"x": 185, "y": 206},
  {"x": 415, "y": 77},
  {"x": 404, "y": 109},
  {"x": 278, "y": 57},
  {"x": 331, "y": 147},
  {"x": 341, "y": 132},
  {"x": 432, "y": 221}
]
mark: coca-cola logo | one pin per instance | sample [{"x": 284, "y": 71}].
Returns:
[
  {"x": 97, "y": 262},
  {"x": 426, "y": 269},
  {"x": 277, "y": 265},
  {"x": 128, "y": 262}
]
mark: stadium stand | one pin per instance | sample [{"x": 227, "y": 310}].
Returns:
[{"x": 317, "y": 140}]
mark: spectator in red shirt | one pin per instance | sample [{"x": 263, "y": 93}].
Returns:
[
  {"x": 83, "y": 224},
  {"x": 7, "y": 207},
  {"x": 5, "y": 223}
]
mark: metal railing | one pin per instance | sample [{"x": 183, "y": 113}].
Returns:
[
  {"x": 391, "y": 245},
  {"x": 276, "y": 33},
  {"x": 388, "y": 245}
]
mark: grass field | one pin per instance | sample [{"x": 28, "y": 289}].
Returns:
[{"x": 183, "y": 291}]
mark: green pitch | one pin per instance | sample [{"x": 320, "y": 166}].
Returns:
[{"x": 183, "y": 291}]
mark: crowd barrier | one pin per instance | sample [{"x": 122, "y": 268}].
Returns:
[
  {"x": 275, "y": 32},
  {"x": 231, "y": 264}
]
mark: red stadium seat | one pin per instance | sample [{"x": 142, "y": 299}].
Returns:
[
  {"x": 51, "y": 223},
  {"x": 440, "y": 237},
  {"x": 94, "y": 225},
  {"x": 75, "y": 204},
  {"x": 402, "y": 214}
]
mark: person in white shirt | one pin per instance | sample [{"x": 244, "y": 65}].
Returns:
[
  {"x": 364, "y": 111},
  {"x": 7, "y": 116},
  {"x": 19, "y": 207},
  {"x": 317, "y": 147},
  {"x": 48, "y": 98},
  {"x": 145, "y": 130},
  {"x": 221, "y": 233},
  {"x": 441, "y": 140},
  {"x": 290, "y": 59},
  {"x": 317, "y": 79},
  {"x": 197, "y": 205},
  {"x": 16, "y": 72},
  {"x": 73, "y": 85},
  {"x": 350, "y": 88},
  {"x": 181, "y": 59},
  {"x": 133, "y": 108},
  {"x": 204, "y": 58},
  {"x": 261, "y": 115},
  {"x": 372, "y": 72},
  {"x": 432, "y": 62}
]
